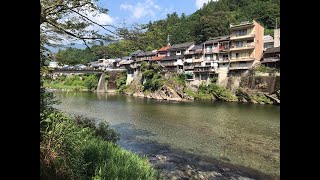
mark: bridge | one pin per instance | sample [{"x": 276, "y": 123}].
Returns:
[{"x": 101, "y": 84}]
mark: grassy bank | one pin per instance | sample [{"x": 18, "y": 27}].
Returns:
[
  {"x": 86, "y": 82},
  {"x": 73, "y": 148},
  {"x": 211, "y": 91}
]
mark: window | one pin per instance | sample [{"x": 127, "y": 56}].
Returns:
[
  {"x": 250, "y": 41},
  {"x": 242, "y": 32},
  {"x": 239, "y": 44},
  {"x": 237, "y": 55}
]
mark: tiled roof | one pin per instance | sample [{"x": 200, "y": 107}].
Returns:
[
  {"x": 199, "y": 46},
  {"x": 165, "y": 48},
  {"x": 157, "y": 58},
  {"x": 272, "y": 50},
  {"x": 149, "y": 53},
  {"x": 135, "y": 53},
  {"x": 181, "y": 46},
  {"x": 126, "y": 62},
  {"x": 217, "y": 39}
]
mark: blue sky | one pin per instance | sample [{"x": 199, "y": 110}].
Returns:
[
  {"x": 143, "y": 11},
  {"x": 126, "y": 12}
]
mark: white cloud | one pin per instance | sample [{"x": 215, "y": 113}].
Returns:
[
  {"x": 199, "y": 3},
  {"x": 142, "y": 9},
  {"x": 103, "y": 19}
]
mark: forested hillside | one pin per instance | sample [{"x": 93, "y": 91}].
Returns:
[{"x": 212, "y": 20}]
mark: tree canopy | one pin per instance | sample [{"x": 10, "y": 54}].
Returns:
[{"x": 212, "y": 20}]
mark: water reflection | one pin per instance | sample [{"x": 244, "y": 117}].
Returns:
[{"x": 246, "y": 134}]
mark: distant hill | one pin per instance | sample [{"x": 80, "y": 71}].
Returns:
[{"x": 78, "y": 46}]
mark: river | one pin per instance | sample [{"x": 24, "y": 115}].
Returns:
[{"x": 247, "y": 135}]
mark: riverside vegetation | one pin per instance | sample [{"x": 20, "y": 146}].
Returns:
[
  {"x": 72, "y": 147},
  {"x": 151, "y": 83}
]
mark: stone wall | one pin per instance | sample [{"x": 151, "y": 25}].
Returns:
[{"x": 267, "y": 84}]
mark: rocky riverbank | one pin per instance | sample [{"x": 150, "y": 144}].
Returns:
[{"x": 176, "y": 167}]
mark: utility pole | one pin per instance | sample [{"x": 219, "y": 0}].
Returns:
[
  {"x": 276, "y": 23},
  {"x": 168, "y": 39}
]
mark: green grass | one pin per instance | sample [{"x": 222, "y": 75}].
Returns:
[
  {"x": 72, "y": 151},
  {"x": 74, "y": 82}
]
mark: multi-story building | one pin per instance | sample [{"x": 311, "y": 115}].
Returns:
[
  {"x": 268, "y": 42},
  {"x": 192, "y": 58},
  {"x": 246, "y": 42},
  {"x": 277, "y": 37},
  {"x": 173, "y": 62}
]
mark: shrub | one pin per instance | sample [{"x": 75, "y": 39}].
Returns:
[
  {"x": 71, "y": 150},
  {"x": 261, "y": 98},
  {"x": 91, "y": 82},
  {"x": 121, "y": 80}
]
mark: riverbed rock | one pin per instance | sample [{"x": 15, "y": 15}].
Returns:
[{"x": 161, "y": 157}]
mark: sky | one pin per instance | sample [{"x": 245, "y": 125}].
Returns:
[
  {"x": 143, "y": 11},
  {"x": 127, "y": 12}
]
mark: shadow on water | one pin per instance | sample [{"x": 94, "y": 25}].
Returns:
[{"x": 134, "y": 140}]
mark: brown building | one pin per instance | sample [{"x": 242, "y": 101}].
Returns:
[
  {"x": 246, "y": 48},
  {"x": 271, "y": 58}
]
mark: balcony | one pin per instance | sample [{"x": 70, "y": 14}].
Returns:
[
  {"x": 216, "y": 50},
  {"x": 245, "y": 47},
  {"x": 205, "y": 69},
  {"x": 242, "y": 59},
  {"x": 188, "y": 67},
  {"x": 209, "y": 51},
  {"x": 223, "y": 48},
  {"x": 247, "y": 36},
  {"x": 188, "y": 60},
  {"x": 169, "y": 64},
  {"x": 224, "y": 60},
  {"x": 239, "y": 66}
]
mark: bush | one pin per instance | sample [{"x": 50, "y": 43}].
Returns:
[
  {"x": 91, "y": 82},
  {"x": 261, "y": 98},
  {"x": 189, "y": 92},
  {"x": 221, "y": 93},
  {"x": 265, "y": 69},
  {"x": 71, "y": 150},
  {"x": 121, "y": 80}
]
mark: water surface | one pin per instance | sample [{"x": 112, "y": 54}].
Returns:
[{"x": 241, "y": 134}]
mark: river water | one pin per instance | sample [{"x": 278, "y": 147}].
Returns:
[{"x": 241, "y": 134}]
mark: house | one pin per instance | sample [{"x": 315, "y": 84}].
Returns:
[
  {"x": 94, "y": 65},
  {"x": 268, "y": 42},
  {"x": 271, "y": 57},
  {"x": 173, "y": 62},
  {"x": 246, "y": 46},
  {"x": 160, "y": 54},
  {"x": 191, "y": 58},
  {"x": 53, "y": 64}
]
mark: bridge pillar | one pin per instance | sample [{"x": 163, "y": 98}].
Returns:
[{"x": 101, "y": 88}]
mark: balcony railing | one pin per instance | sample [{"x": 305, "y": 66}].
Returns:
[
  {"x": 169, "y": 64},
  {"x": 223, "y": 48},
  {"x": 188, "y": 67},
  {"x": 242, "y": 36},
  {"x": 242, "y": 59}
]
